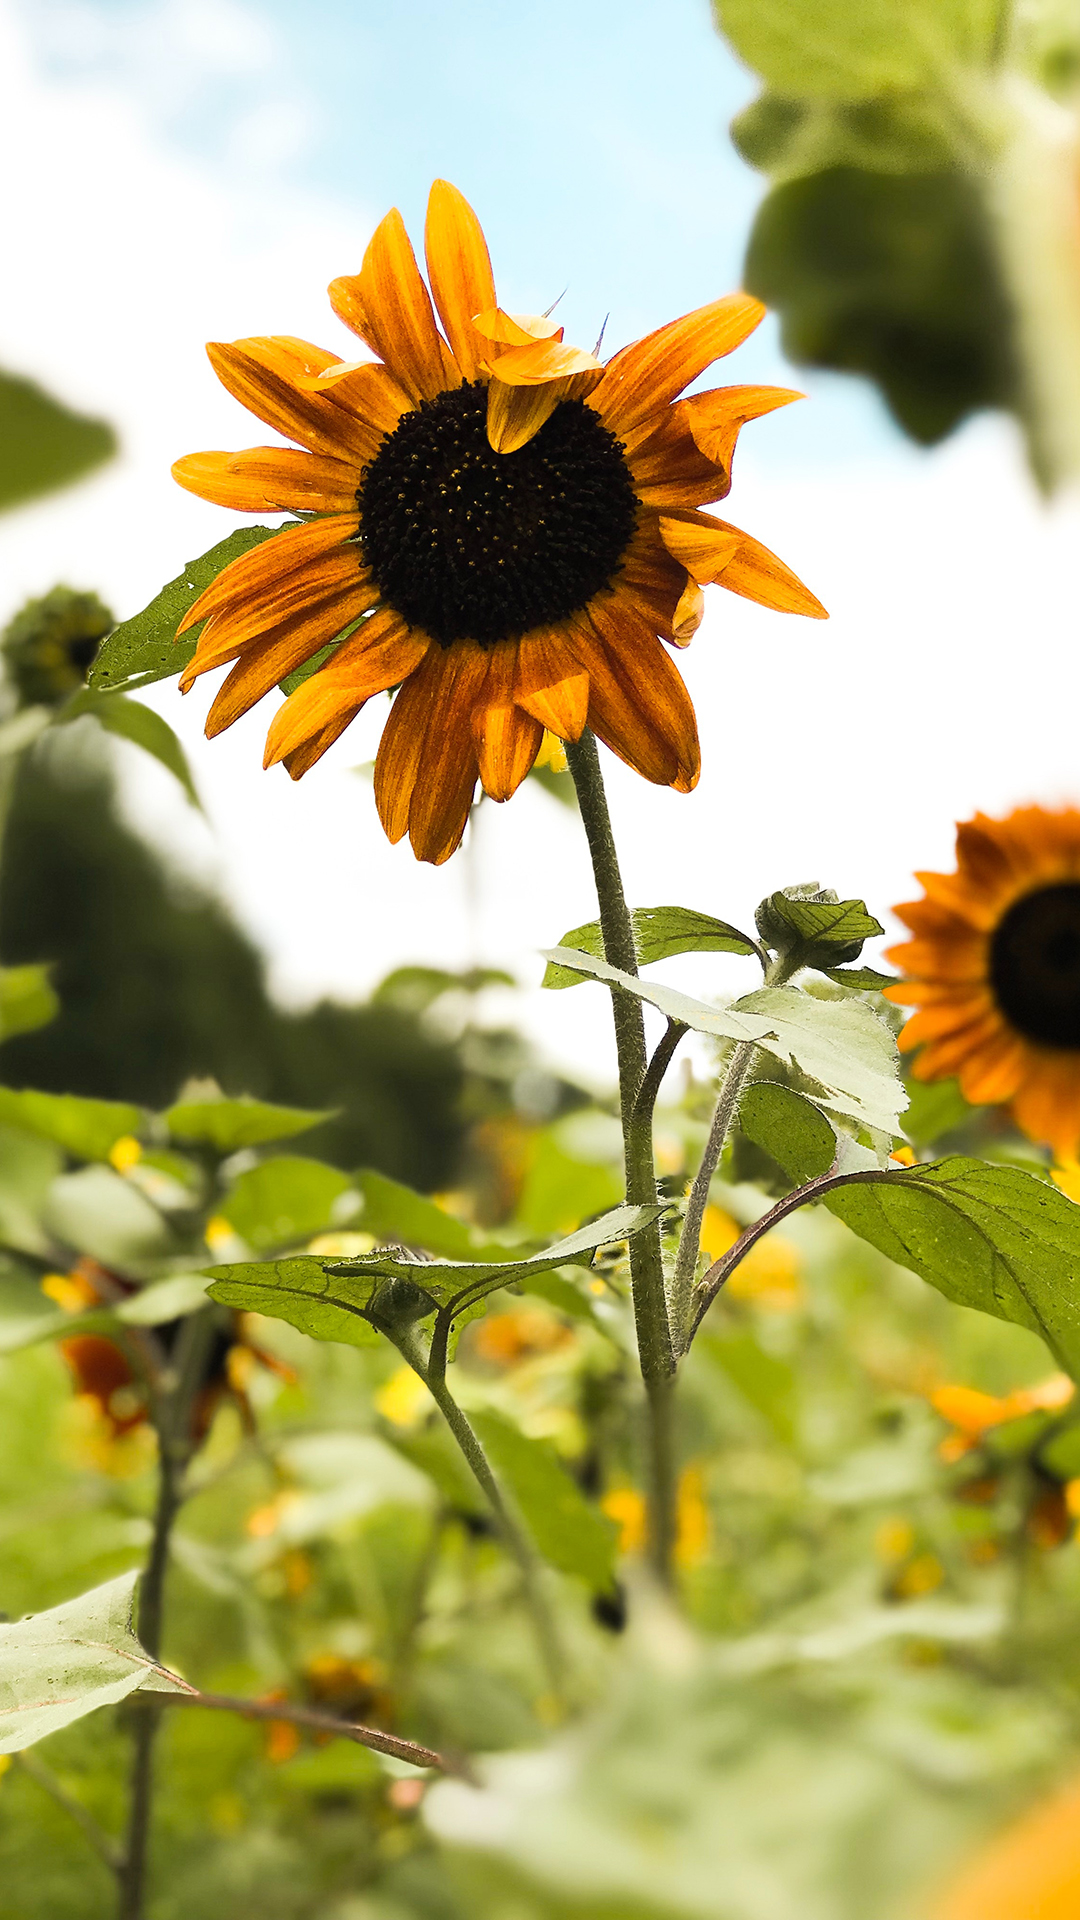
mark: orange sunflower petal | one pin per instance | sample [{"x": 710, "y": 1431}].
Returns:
[
  {"x": 264, "y": 374},
  {"x": 267, "y": 660},
  {"x": 506, "y": 738},
  {"x": 270, "y": 480},
  {"x": 755, "y": 573},
  {"x": 649, "y": 374},
  {"x": 638, "y": 704},
  {"x": 266, "y": 567},
  {"x": 426, "y": 766},
  {"x": 459, "y": 268},
  {"x": 704, "y": 549},
  {"x": 550, "y": 684},
  {"x": 715, "y": 419},
  {"x": 389, "y": 306},
  {"x": 383, "y": 653}
]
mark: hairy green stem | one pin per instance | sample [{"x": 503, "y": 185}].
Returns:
[
  {"x": 520, "y": 1547},
  {"x": 173, "y": 1398},
  {"x": 734, "y": 1080},
  {"x": 646, "y": 1263}
]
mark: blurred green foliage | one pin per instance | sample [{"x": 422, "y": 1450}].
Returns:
[{"x": 44, "y": 444}]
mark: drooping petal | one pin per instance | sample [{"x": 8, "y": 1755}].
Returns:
[
  {"x": 367, "y": 391},
  {"x": 528, "y": 383},
  {"x": 264, "y": 374},
  {"x": 270, "y": 480},
  {"x": 388, "y": 305},
  {"x": 551, "y": 685},
  {"x": 651, "y": 372},
  {"x": 689, "y": 613},
  {"x": 506, "y": 738},
  {"x": 459, "y": 268},
  {"x": 383, "y": 653},
  {"x": 701, "y": 545},
  {"x": 266, "y": 661},
  {"x": 515, "y": 329},
  {"x": 638, "y": 704},
  {"x": 714, "y": 419},
  {"x": 273, "y": 562},
  {"x": 751, "y": 571},
  {"x": 669, "y": 468}
]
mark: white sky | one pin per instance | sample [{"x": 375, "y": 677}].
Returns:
[{"x": 945, "y": 681}]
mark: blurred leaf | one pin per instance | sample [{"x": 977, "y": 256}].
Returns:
[
  {"x": 56, "y": 1666},
  {"x": 28, "y": 1167},
  {"x": 96, "y": 1211},
  {"x": 769, "y": 1384},
  {"x": 227, "y": 1125},
  {"x": 810, "y": 922},
  {"x": 130, "y": 720},
  {"x": 936, "y": 1107},
  {"x": 145, "y": 648},
  {"x": 414, "y": 989},
  {"x": 393, "y": 1212},
  {"x": 985, "y": 1236},
  {"x": 659, "y": 932},
  {"x": 830, "y": 49},
  {"x": 163, "y": 1300},
  {"x": 286, "y": 1199},
  {"x": 327, "y": 1298},
  {"x": 27, "y": 999},
  {"x": 892, "y": 277},
  {"x": 86, "y": 1129},
  {"x": 567, "y": 1531},
  {"x": 890, "y": 133},
  {"x": 566, "y": 1177},
  {"x": 43, "y": 444}
]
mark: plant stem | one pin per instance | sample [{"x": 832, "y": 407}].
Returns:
[
  {"x": 655, "y": 1352},
  {"x": 104, "y": 1846},
  {"x": 173, "y": 1399},
  {"x": 372, "y": 1737},
  {"x": 521, "y": 1548},
  {"x": 735, "y": 1077}
]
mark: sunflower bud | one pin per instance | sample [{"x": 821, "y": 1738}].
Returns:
[{"x": 808, "y": 926}]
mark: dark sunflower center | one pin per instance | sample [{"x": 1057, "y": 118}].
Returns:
[
  {"x": 1035, "y": 966},
  {"x": 470, "y": 544}
]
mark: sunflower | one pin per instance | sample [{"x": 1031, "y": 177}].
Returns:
[
  {"x": 995, "y": 970},
  {"x": 497, "y": 524}
]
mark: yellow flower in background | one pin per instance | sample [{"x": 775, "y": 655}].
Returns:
[
  {"x": 507, "y": 527},
  {"x": 403, "y": 1399},
  {"x": 1030, "y": 1872},
  {"x": 995, "y": 971}
]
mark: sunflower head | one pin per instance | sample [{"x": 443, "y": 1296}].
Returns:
[
  {"x": 494, "y": 522},
  {"x": 994, "y": 971}
]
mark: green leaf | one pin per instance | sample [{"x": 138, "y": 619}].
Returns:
[
  {"x": 839, "y": 1044},
  {"x": 894, "y": 277},
  {"x": 28, "y": 1167},
  {"x": 860, "y": 979},
  {"x": 130, "y": 720},
  {"x": 59, "y": 1665},
  {"x": 97, "y": 1211},
  {"x": 334, "y": 1299},
  {"x": 659, "y": 932},
  {"x": 28, "y": 999},
  {"x": 393, "y": 1212},
  {"x": 43, "y": 444},
  {"x": 893, "y": 133},
  {"x": 302, "y": 1292},
  {"x": 768, "y": 1384},
  {"x": 842, "y": 1045},
  {"x": 87, "y": 1129},
  {"x": 227, "y": 1125},
  {"x": 830, "y": 49},
  {"x": 414, "y": 989},
  {"x": 145, "y": 648},
  {"x": 990, "y": 1237},
  {"x": 569, "y": 1532},
  {"x": 287, "y": 1199},
  {"x": 789, "y": 1128},
  {"x": 811, "y": 922}
]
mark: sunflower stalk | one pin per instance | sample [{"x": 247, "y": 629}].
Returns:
[
  {"x": 173, "y": 1395},
  {"x": 655, "y": 1350},
  {"x": 431, "y": 1369}
]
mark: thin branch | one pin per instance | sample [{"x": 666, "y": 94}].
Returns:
[
  {"x": 654, "y": 1073},
  {"x": 104, "y": 1846},
  {"x": 711, "y": 1282},
  {"x": 372, "y": 1737}
]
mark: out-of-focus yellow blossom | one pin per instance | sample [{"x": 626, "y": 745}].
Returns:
[
  {"x": 691, "y": 1519},
  {"x": 894, "y": 1539},
  {"x": 973, "y": 1414},
  {"x": 1029, "y": 1872},
  {"x": 403, "y": 1399},
  {"x": 125, "y": 1152}
]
